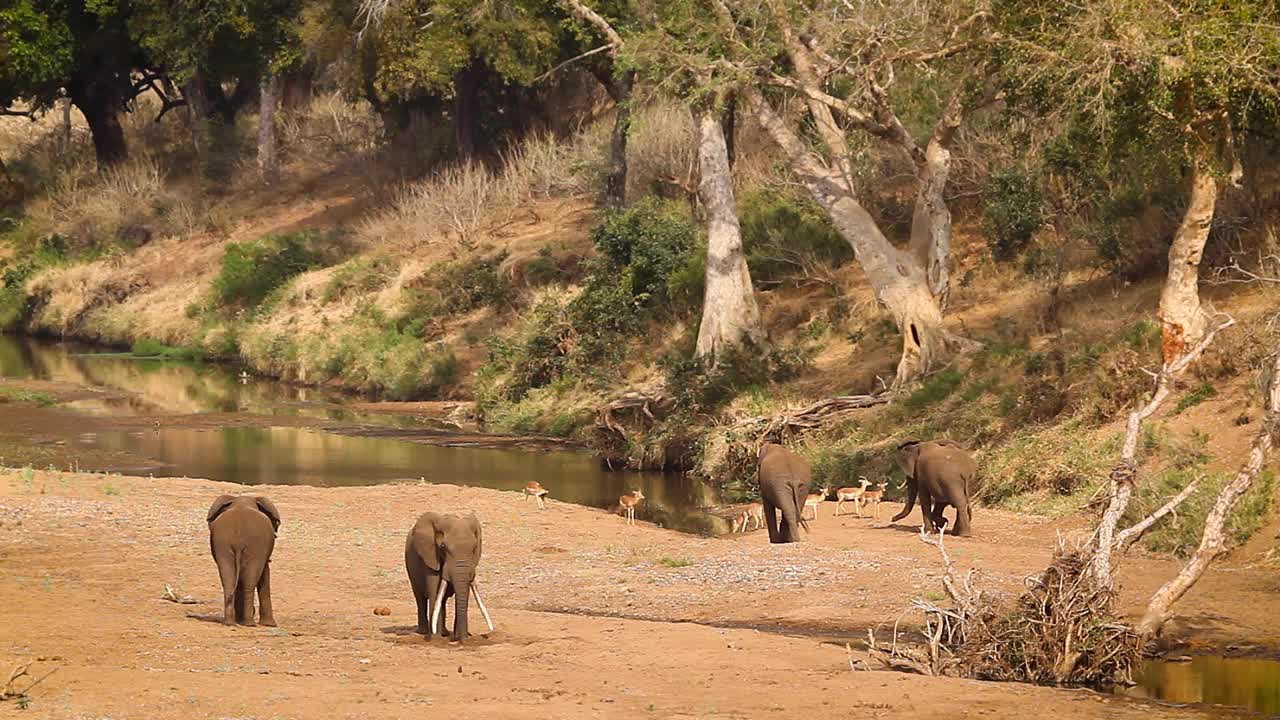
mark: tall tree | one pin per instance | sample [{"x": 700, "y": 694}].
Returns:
[
  {"x": 618, "y": 82},
  {"x": 729, "y": 311},
  {"x": 1184, "y": 80},
  {"x": 1187, "y": 78},
  {"x": 839, "y": 61},
  {"x": 83, "y": 46},
  {"x": 477, "y": 57}
]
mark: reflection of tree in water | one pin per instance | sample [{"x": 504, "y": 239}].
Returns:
[
  {"x": 1244, "y": 682},
  {"x": 15, "y": 358},
  {"x": 297, "y": 456}
]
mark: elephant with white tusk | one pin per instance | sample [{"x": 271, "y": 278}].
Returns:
[{"x": 441, "y": 555}]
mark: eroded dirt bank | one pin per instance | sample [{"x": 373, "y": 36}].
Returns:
[{"x": 85, "y": 558}]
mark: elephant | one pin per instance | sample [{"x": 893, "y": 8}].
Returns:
[
  {"x": 784, "y": 486},
  {"x": 242, "y": 534},
  {"x": 941, "y": 472},
  {"x": 441, "y": 555}
]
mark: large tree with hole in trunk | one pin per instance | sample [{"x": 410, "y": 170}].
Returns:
[{"x": 837, "y": 64}]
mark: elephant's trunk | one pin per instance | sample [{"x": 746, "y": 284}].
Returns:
[
  {"x": 911, "y": 500},
  {"x": 461, "y": 596}
]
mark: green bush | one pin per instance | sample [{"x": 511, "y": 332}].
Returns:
[
  {"x": 151, "y": 349},
  {"x": 697, "y": 388},
  {"x": 647, "y": 244},
  {"x": 362, "y": 275},
  {"x": 35, "y": 397},
  {"x": 935, "y": 389},
  {"x": 781, "y": 230},
  {"x": 253, "y": 269},
  {"x": 1013, "y": 211},
  {"x": 1197, "y": 395},
  {"x": 454, "y": 288}
]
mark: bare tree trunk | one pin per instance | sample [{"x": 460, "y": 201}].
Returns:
[
  {"x": 899, "y": 281},
  {"x": 931, "y": 219},
  {"x": 729, "y": 122},
  {"x": 268, "y": 162},
  {"x": 1212, "y": 541},
  {"x": 729, "y": 312},
  {"x": 465, "y": 108},
  {"x": 66, "y": 122},
  {"x": 615, "y": 184},
  {"x": 1182, "y": 320}
]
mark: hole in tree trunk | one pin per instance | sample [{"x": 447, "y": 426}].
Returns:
[{"x": 915, "y": 335}]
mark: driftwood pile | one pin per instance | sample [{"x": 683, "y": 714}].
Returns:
[{"x": 1061, "y": 629}]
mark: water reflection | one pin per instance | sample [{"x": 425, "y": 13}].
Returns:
[
  {"x": 295, "y": 456},
  {"x": 1245, "y": 682},
  {"x": 298, "y": 456},
  {"x": 174, "y": 387}
]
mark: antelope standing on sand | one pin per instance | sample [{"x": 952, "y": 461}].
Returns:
[
  {"x": 853, "y": 495},
  {"x": 754, "y": 514},
  {"x": 873, "y": 496},
  {"x": 813, "y": 502},
  {"x": 629, "y": 503},
  {"x": 534, "y": 488}
]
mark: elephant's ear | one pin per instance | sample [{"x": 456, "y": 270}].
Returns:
[
  {"x": 907, "y": 454},
  {"x": 269, "y": 509},
  {"x": 426, "y": 538},
  {"x": 222, "y": 503},
  {"x": 475, "y": 522}
]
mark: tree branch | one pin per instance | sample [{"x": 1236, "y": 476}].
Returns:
[
  {"x": 1126, "y": 538},
  {"x": 594, "y": 19},
  {"x": 1124, "y": 474},
  {"x": 595, "y": 51},
  {"x": 1213, "y": 540}
]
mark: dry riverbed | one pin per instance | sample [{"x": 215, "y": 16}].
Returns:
[{"x": 586, "y": 611}]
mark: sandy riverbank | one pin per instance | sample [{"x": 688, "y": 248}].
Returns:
[{"x": 85, "y": 558}]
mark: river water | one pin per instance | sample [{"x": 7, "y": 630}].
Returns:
[
  {"x": 1244, "y": 682},
  {"x": 329, "y": 453}
]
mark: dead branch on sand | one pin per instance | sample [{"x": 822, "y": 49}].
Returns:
[{"x": 11, "y": 691}]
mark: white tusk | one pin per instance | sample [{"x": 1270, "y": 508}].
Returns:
[
  {"x": 483, "y": 610},
  {"x": 435, "y": 615}
]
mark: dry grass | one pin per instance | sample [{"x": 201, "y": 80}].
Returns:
[
  {"x": 330, "y": 128},
  {"x": 663, "y": 144},
  {"x": 463, "y": 204}
]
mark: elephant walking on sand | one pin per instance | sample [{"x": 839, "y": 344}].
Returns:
[
  {"x": 941, "y": 473},
  {"x": 242, "y": 534},
  {"x": 441, "y": 555},
  {"x": 784, "y": 488}
]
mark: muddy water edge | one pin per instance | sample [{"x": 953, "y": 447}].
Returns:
[{"x": 181, "y": 419}]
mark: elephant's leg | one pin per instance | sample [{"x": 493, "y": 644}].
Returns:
[
  {"x": 771, "y": 521},
  {"x": 251, "y": 569},
  {"x": 265, "y": 615},
  {"x": 926, "y": 510},
  {"x": 421, "y": 595},
  {"x": 427, "y": 605},
  {"x": 227, "y": 574},
  {"x": 939, "y": 519},
  {"x": 964, "y": 517}
]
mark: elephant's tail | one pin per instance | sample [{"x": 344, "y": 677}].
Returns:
[{"x": 800, "y": 497}]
